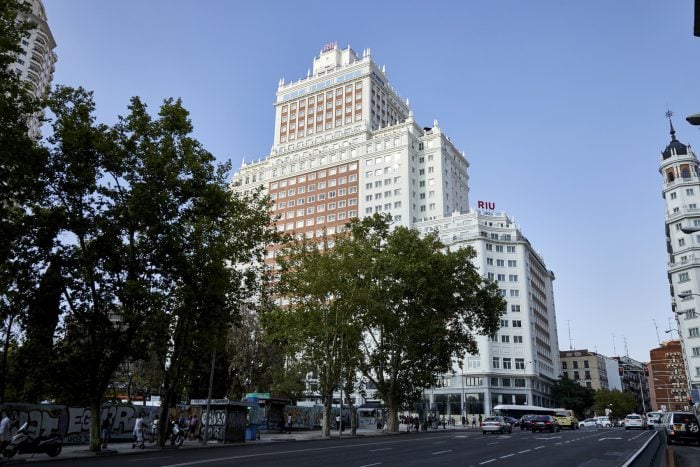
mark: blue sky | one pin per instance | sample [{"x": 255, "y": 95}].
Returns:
[{"x": 558, "y": 105}]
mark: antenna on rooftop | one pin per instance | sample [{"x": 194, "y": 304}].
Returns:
[
  {"x": 571, "y": 345},
  {"x": 614, "y": 348},
  {"x": 627, "y": 351},
  {"x": 658, "y": 339}
]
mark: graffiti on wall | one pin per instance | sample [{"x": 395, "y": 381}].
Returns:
[{"x": 74, "y": 422}]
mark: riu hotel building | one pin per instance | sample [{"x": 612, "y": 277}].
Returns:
[{"x": 346, "y": 145}]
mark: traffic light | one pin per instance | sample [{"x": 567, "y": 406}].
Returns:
[{"x": 621, "y": 370}]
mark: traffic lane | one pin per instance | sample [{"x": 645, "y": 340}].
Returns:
[
  {"x": 407, "y": 450},
  {"x": 598, "y": 447}
]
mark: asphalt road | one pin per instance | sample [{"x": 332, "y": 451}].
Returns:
[{"x": 586, "y": 447}]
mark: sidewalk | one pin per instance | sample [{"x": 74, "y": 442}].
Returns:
[{"x": 77, "y": 451}]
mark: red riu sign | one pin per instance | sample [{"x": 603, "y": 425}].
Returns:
[
  {"x": 329, "y": 46},
  {"x": 486, "y": 205}
]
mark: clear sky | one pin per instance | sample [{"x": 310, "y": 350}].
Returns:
[{"x": 558, "y": 105}]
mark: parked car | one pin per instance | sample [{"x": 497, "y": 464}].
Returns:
[
  {"x": 680, "y": 427},
  {"x": 513, "y": 421},
  {"x": 604, "y": 421},
  {"x": 525, "y": 422},
  {"x": 544, "y": 422},
  {"x": 566, "y": 420},
  {"x": 588, "y": 422},
  {"x": 634, "y": 420},
  {"x": 496, "y": 425}
]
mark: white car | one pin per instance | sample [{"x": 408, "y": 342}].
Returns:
[
  {"x": 588, "y": 422},
  {"x": 634, "y": 420},
  {"x": 604, "y": 421},
  {"x": 496, "y": 425}
]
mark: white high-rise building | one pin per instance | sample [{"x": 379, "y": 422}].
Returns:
[
  {"x": 681, "y": 191},
  {"x": 346, "y": 146},
  {"x": 36, "y": 63},
  {"x": 518, "y": 364}
]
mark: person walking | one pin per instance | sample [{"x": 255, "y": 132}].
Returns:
[
  {"x": 5, "y": 434},
  {"x": 138, "y": 432},
  {"x": 289, "y": 422},
  {"x": 106, "y": 430},
  {"x": 194, "y": 421},
  {"x": 474, "y": 421}
]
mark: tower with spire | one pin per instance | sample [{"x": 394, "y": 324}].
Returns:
[{"x": 680, "y": 171}]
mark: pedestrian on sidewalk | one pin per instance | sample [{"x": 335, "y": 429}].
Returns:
[
  {"x": 289, "y": 422},
  {"x": 5, "y": 433},
  {"x": 138, "y": 432},
  {"x": 474, "y": 421},
  {"x": 106, "y": 430}
]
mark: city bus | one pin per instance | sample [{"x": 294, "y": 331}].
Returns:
[{"x": 517, "y": 411}]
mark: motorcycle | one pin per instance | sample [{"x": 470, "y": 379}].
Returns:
[
  {"x": 177, "y": 434},
  {"x": 23, "y": 443}
]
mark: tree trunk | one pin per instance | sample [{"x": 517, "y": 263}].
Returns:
[
  {"x": 95, "y": 424},
  {"x": 392, "y": 417},
  {"x": 326, "y": 429},
  {"x": 5, "y": 350}
]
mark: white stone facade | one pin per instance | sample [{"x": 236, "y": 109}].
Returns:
[
  {"x": 681, "y": 192},
  {"x": 519, "y": 364},
  {"x": 36, "y": 62}
]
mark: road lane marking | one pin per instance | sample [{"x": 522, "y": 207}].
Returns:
[
  {"x": 507, "y": 455},
  {"x": 601, "y": 439},
  {"x": 538, "y": 447},
  {"x": 441, "y": 452},
  {"x": 440, "y": 442},
  {"x": 486, "y": 462},
  {"x": 150, "y": 458},
  {"x": 523, "y": 452},
  {"x": 491, "y": 444},
  {"x": 370, "y": 465},
  {"x": 383, "y": 449}
]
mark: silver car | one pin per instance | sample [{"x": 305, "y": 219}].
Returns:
[{"x": 496, "y": 425}]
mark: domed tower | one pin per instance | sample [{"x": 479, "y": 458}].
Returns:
[{"x": 681, "y": 191}]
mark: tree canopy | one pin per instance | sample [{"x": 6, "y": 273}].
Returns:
[
  {"x": 405, "y": 308},
  {"x": 571, "y": 395}
]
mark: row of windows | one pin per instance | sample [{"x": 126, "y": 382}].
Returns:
[
  {"x": 313, "y": 175},
  {"x": 503, "y": 292},
  {"x": 499, "y": 248},
  {"x": 512, "y": 263},
  {"x": 575, "y": 364},
  {"x": 506, "y": 382},
  {"x": 318, "y": 208},
  {"x": 311, "y": 222},
  {"x": 505, "y": 339},
  {"x": 312, "y": 188},
  {"x": 379, "y": 207},
  {"x": 504, "y": 363},
  {"x": 587, "y": 375},
  {"x": 378, "y": 183},
  {"x": 516, "y": 323},
  {"x": 319, "y": 97},
  {"x": 387, "y": 194},
  {"x": 329, "y": 125}
]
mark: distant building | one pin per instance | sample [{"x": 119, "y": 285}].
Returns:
[
  {"x": 520, "y": 363},
  {"x": 586, "y": 368},
  {"x": 633, "y": 375},
  {"x": 668, "y": 384},
  {"x": 36, "y": 63},
  {"x": 680, "y": 171},
  {"x": 614, "y": 380}
]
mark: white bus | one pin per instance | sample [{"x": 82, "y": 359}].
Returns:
[{"x": 517, "y": 411}]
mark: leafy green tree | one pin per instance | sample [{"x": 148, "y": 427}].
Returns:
[
  {"x": 571, "y": 395},
  {"x": 419, "y": 306},
  {"x": 402, "y": 308},
  {"x": 314, "y": 327},
  {"x": 22, "y": 166},
  {"x": 621, "y": 403}
]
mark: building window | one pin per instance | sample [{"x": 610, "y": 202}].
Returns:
[
  {"x": 505, "y": 339},
  {"x": 515, "y": 308},
  {"x": 696, "y": 351},
  {"x": 576, "y": 375},
  {"x": 587, "y": 374},
  {"x": 585, "y": 364},
  {"x": 496, "y": 363},
  {"x": 504, "y": 323},
  {"x": 564, "y": 366},
  {"x": 519, "y": 382},
  {"x": 517, "y": 339},
  {"x": 693, "y": 332},
  {"x": 520, "y": 364},
  {"x": 683, "y": 277},
  {"x": 500, "y": 262},
  {"x": 501, "y": 277},
  {"x": 517, "y": 323},
  {"x": 575, "y": 364}
]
